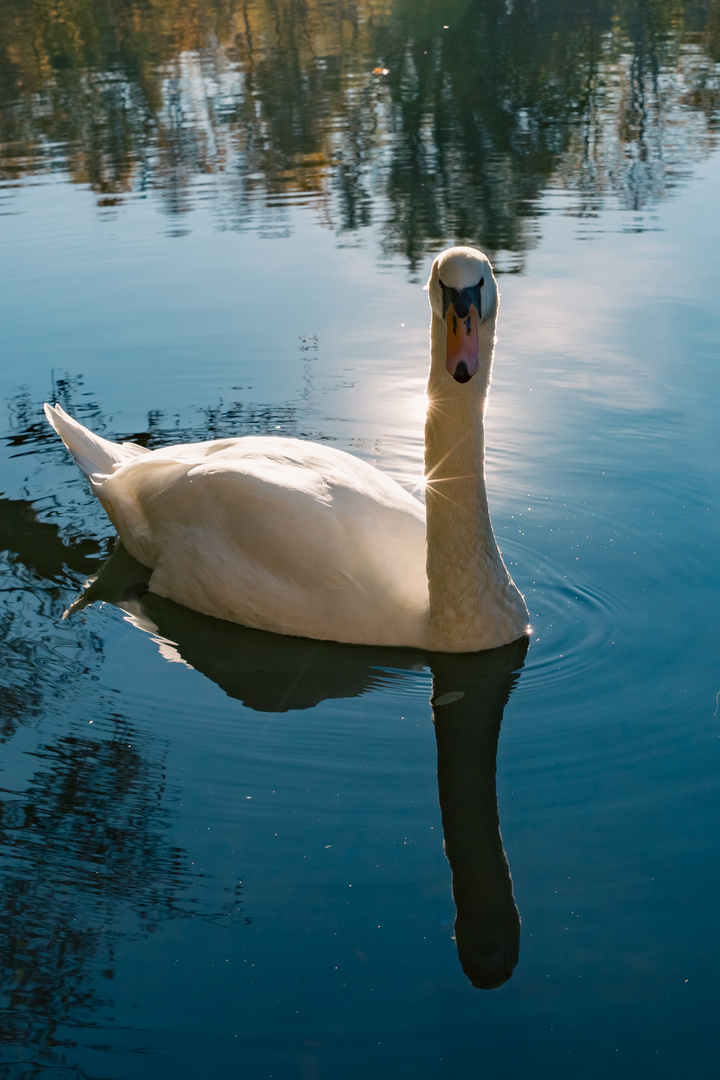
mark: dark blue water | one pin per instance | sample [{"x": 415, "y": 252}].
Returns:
[{"x": 222, "y": 852}]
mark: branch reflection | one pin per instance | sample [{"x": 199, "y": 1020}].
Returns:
[
  {"x": 86, "y": 861},
  {"x": 431, "y": 119}
]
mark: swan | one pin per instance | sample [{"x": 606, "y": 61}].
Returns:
[{"x": 303, "y": 539}]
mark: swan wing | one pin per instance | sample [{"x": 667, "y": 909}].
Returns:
[
  {"x": 279, "y": 534},
  {"x": 94, "y": 455}
]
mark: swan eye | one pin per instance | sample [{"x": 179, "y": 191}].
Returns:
[
  {"x": 481, "y": 282},
  {"x": 441, "y": 283}
]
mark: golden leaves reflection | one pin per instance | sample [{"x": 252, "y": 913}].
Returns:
[{"x": 480, "y": 105}]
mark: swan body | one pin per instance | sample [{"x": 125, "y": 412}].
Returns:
[{"x": 300, "y": 538}]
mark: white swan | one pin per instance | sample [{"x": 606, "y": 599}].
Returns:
[{"x": 299, "y": 538}]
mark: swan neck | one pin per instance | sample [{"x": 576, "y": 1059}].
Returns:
[{"x": 473, "y": 603}]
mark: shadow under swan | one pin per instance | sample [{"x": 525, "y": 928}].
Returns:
[{"x": 273, "y": 673}]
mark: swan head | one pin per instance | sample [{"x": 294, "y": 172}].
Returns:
[{"x": 464, "y": 295}]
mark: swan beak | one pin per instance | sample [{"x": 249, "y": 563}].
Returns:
[{"x": 463, "y": 346}]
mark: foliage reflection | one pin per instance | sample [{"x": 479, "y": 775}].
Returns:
[
  {"x": 85, "y": 856},
  {"x": 440, "y": 121}
]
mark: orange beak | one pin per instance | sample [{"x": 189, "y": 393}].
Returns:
[{"x": 463, "y": 347}]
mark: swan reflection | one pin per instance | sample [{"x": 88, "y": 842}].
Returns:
[
  {"x": 469, "y": 696},
  {"x": 272, "y": 673}
]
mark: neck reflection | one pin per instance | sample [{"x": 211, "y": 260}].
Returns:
[{"x": 469, "y": 696}]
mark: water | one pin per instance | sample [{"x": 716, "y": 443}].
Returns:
[{"x": 222, "y": 852}]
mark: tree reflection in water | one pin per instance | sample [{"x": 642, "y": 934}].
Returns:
[
  {"x": 457, "y": 116},
  {"x": 81, "y": 844},
  {"x": 85, "y": 856}
]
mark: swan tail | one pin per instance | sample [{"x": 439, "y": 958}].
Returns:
[{"x": 97, "y": 457}]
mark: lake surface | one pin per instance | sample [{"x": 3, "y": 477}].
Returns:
[{"x": 227, "y": 853}]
